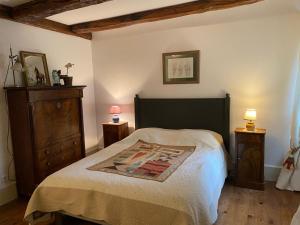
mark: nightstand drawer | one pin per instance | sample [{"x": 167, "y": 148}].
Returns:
[
  {"x": 249, "y": 138},
  {"x": 110, "y": 129}
]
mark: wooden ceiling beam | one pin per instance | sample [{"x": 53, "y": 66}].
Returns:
[
  {"x": 6, "y": 13},
  {"x": 169, "y": 12},
  {"x": 40, "y": 9}
]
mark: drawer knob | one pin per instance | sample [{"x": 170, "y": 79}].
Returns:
[
  {"x": 58, "y": 105},
  {"x": 47, "y": 152},
  {"x": 48, "y": 164},
  {"x": 75, "y": 142}
]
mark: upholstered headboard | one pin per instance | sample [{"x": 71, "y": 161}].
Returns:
[{"x": 185, "y": 113}]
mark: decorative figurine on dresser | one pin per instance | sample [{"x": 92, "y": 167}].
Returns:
[
  {"x": 47, "y": 131},
  {"x": 250, "y": 145}
]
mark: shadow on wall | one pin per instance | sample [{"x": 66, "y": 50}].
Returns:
[
  {"x": 106, "y": 99},
  {"x": 6, "y": 165}
]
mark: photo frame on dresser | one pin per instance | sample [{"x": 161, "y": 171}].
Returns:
[
  {"x": 181, "y": 67},
  {"x": 36, "y": 69}
]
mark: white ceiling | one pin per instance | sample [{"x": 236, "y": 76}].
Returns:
[
  {"x": 114, "y": 8},
  {"x": 111, "y": 9},
  {"x": 266, "y": 8},
  {"x": 122, "y": 7}
]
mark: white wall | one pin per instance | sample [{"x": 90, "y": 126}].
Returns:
[
  {"x": 255, "y": 61},
  {"x": 59, "y": 49}
]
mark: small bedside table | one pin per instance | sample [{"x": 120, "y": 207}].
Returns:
[
  {"x": 250, "y": 147},
  {"x": 114, "y": 132}
]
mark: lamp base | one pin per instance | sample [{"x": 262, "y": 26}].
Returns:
[
  {"x": 250, "y": 126},
  {"x": 115, "y": 118}
]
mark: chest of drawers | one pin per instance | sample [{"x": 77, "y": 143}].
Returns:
[{"x": 47, "y": 132}]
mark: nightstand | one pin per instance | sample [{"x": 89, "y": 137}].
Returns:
[
  {"x": 250, "y": 147},
  {"x": 114, "y": 132}
]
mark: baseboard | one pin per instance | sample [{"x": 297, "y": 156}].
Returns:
[
  {"x": 92, "y": 150},
  {"x": 8, "y": 193},
  {"x": 271, "y": 172}
]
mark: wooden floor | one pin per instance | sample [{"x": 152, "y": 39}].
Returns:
[{"x": 237, "y": 206}]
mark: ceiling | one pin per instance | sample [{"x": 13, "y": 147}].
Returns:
[
  {"x": 122, "y": 7},
  {"x": 111, "y": 9},
  {"x": 115, "y": 8},
  {"x": 266, "y": 8}
]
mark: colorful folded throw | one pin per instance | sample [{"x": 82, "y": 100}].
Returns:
[{"x": 146, "y": 160}]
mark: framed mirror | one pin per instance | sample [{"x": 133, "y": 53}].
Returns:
[{"x": 36, "y": 69}]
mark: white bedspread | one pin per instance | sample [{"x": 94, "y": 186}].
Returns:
[
  {"x": 188, "y": 197},
  {"x": 296, "y": 218}
]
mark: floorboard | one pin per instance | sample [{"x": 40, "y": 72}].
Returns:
[{"x": 237, "y": 206}]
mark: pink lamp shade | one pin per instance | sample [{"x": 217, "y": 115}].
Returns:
[{"x": 115, "y": 110}]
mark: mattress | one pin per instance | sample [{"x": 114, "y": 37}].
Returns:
[{"x": 189, "y": 196}]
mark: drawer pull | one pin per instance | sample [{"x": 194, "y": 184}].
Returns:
[
  {"x": 47, "y": 152},
  {"x": 48, "y": 164},
  {"x": 58, "y": 105},
  {"x": 75, "y": 142}
]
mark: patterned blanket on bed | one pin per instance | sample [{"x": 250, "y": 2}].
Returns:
[{"x": 146, "y": 160}]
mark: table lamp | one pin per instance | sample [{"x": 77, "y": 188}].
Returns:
[
  {"x": 250, "y": 116},
  {"x": 115, "y": 110}
]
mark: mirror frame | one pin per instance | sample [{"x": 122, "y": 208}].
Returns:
[{"x": 24, "y": 54}]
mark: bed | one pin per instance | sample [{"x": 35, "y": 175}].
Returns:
[
  {"x": 189, "y": 196},
  {"x": 296, "y": 217}
]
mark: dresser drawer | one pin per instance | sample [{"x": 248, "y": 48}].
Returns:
[
  {"x": 58, "y": 156},
  {"x": 60, "y": 144},
  {"x": 63, "y": 158},
  {"x": 35, "y": 95},
  {"x": 53, "y": 120}
]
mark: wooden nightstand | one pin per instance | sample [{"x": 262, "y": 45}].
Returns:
[
  {"x": 250, "y": 147},
  {"x": 114, "y": 132}
]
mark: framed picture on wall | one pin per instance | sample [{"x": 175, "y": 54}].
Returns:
[{"x": 181, "y": 67}]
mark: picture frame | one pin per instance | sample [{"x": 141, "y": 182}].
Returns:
[
  {"x": 181, "y": 67},
  {"x": 36, "y": 69}
]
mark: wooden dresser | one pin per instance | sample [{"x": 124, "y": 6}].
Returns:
[
  {"x": 250, "y": 147},
  {"x": 47, "y": 132}
]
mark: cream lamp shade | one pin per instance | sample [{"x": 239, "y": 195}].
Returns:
[{"x": 250, "y": 115}]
